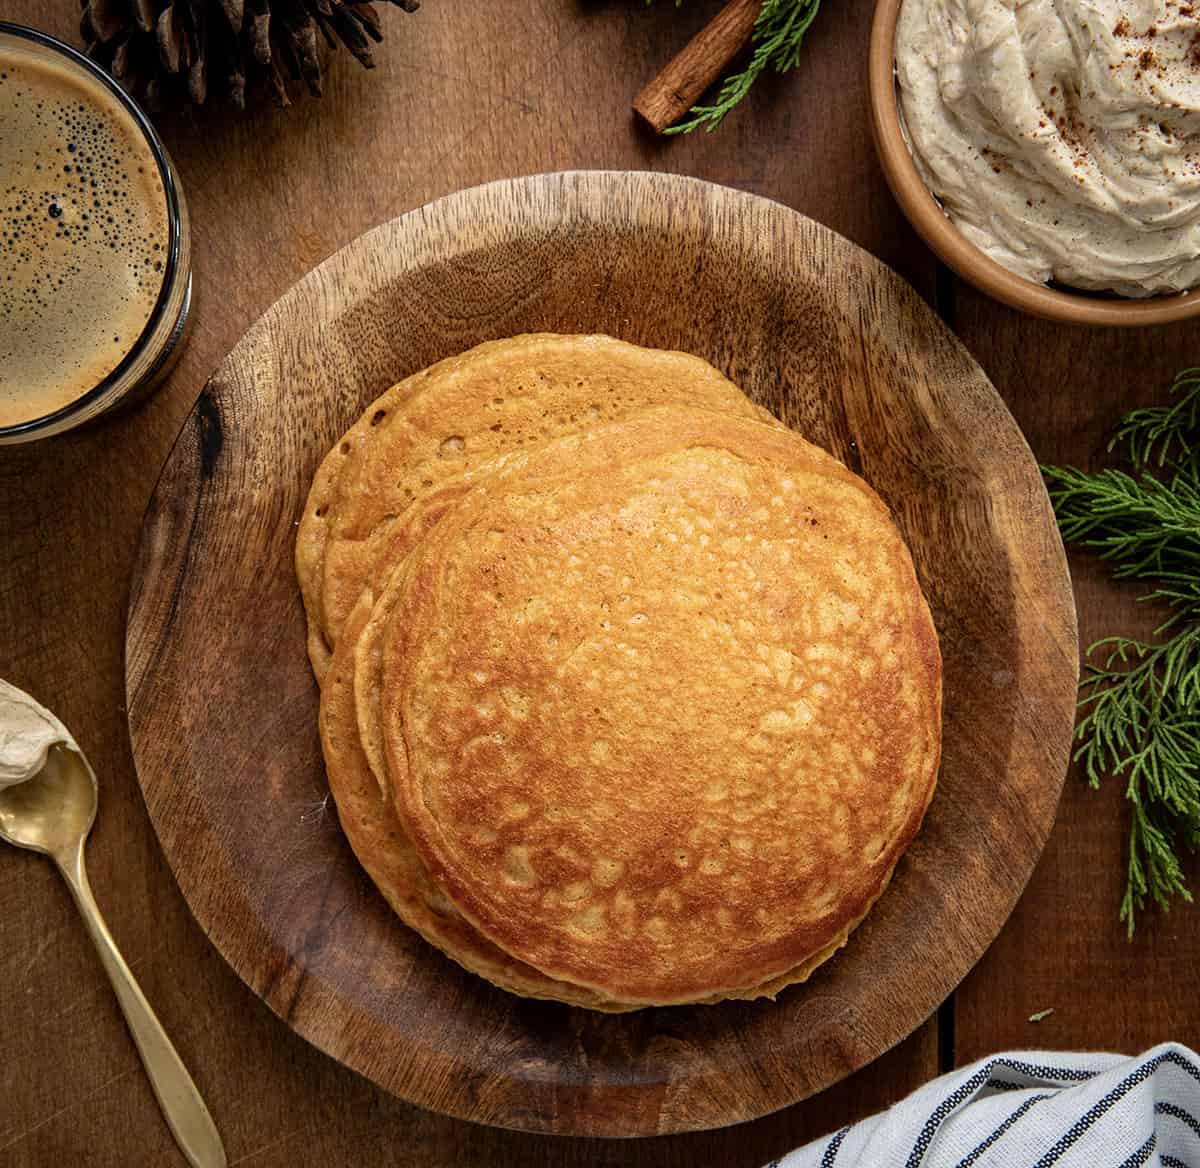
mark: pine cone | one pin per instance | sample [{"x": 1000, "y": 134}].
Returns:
[{"x": 160, "y": 50}]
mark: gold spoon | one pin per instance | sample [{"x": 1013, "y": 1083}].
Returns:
[{"x": 52, "y": 812}]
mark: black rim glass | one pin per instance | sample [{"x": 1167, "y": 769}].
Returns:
[{"x": 157, "y": 149}]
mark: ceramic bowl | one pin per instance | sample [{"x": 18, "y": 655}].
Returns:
[{"x": 930, "y": 222}]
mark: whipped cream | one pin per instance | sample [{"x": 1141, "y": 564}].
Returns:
[
  {"x": 1062, "y": 137},
  {"x": 27, "y": 732}
]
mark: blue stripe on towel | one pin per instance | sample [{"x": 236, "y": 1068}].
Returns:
[
  {"x": 832, "y": 1151},
  {"x": 1179, "y": 1113},
  {"x": 981, "y": 1077},
  {"x": 975, "y": 1153}
]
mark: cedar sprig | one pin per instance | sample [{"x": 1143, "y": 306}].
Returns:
[
  {"x": 1165, "y": 435},
  {"x": 1139, "y": 701}
]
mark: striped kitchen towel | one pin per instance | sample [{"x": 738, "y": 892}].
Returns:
[{"x": 1033, "y": 1110}]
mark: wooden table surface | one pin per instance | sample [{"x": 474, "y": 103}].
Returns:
[{"x": 464, "y": 94}]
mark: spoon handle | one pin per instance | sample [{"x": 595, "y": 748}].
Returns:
[{"x": 177, "y": 1096}]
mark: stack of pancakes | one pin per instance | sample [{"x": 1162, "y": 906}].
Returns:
[{"x": 629, "y": 694}]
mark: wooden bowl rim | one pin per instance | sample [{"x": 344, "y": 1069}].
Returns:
[
  {"x": 953, "y": 248},
  {"x": 323, "y": 1015}
]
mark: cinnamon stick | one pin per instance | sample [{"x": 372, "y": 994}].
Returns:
[{"x": 705, "y": 57}]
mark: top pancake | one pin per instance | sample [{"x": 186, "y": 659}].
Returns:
[
  {"x": 452, "y": 421},
  {"x": 661, "y": 705}
]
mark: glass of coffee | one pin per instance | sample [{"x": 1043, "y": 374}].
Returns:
[{"x": 95, "y": 252}]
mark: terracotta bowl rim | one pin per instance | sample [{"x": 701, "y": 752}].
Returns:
[{"x": 953, "y": 248}]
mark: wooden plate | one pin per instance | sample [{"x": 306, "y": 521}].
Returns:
[{"x": 223, "y": 708}]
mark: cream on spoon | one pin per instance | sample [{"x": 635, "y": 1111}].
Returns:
[{"x": 27, "y": 732}]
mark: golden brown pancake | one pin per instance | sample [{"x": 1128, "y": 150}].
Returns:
[
  {"x": 383, "y": 847},
  {"x": 449, "y": 422},
  {"x": 661, "y": 706},
  {"x": 380, "y": 841}
]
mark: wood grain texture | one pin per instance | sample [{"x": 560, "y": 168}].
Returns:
[
  {"x": 1065, "y": 947},
  {"x": 222, "y": 704}
]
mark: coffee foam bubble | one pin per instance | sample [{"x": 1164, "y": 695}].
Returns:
[{"x": 84, "y": 234}]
